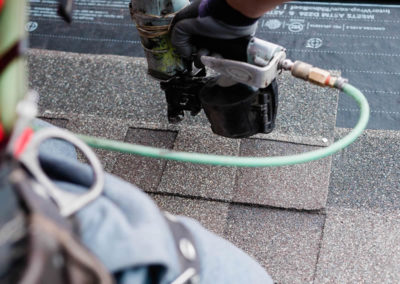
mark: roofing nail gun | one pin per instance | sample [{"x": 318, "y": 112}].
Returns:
[
  {"x": 239, "y": 102},
  {"x": 242, "y": 100}
]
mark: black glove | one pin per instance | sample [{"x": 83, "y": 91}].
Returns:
[{"x": 210, "y": 24}]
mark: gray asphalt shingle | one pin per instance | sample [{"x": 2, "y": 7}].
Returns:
[
  {"x": 306, "y": 110},
  {"x": 100, "y": 127},
  {"x": 201, "y": 180},
  {"x": 367, "y": 173},
  {"x": 360, "y": 246},
  {"x": 144, "y": 172},
  {"x": 286, "y": 243},
  {"x": 303, "y": 186},
  {"x": 211, "y": 214},
  {"x": 108, "y": 86}
]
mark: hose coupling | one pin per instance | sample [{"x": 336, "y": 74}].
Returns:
[{"x": 313, "y": 74}]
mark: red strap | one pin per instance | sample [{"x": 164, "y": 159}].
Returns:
[
  {"x": 2, "y": 132},
  {"x": 23, "y": 141},
  {"x": 1, "y": 4}
]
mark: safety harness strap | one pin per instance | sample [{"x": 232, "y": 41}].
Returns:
[
  {"x": 13, "y": 243},
  {"x": 186, "y": 250},
  {"x": 54, "y": 251}
]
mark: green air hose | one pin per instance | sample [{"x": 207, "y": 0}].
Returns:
[{"x": 243, "y": 161}]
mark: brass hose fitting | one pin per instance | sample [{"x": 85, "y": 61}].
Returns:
[{"x": 313, "y": 74}]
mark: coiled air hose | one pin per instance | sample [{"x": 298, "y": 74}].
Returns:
[{"x": 220, "y": 160}]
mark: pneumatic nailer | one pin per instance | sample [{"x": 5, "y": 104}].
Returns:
[{"x": 242, "y": 99}]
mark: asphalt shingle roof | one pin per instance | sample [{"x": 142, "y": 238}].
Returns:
[{"x": 330, "y": 221}]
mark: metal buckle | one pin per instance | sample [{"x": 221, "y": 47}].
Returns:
[
  {"x": 188, "y": 276},
  {"x": 68, "y": 203}
]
